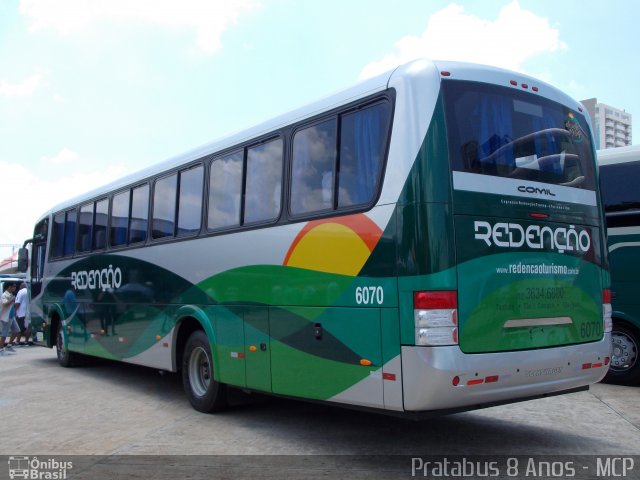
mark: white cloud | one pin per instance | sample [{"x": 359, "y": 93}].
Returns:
[
  {"x": 33, "y": 196},
  {"x": 208, "y": 18},
  {"x": 63, "y": 156},
  {"x": 508, "y": 41},
  {"x": 22, "y": 89}
]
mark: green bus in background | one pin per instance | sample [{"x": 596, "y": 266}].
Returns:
[
  {"x": 430, "y": 240},
  {"x": 619, "y": 183}
]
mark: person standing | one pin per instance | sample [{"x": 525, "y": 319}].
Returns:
[
  {"x": 21, "y": 309},
  {"x": 7, "y": 301}
]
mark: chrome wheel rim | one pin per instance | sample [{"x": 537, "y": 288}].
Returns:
[
  {"x": 199, "y": 371},
  {"x": 624, "y": 351}
]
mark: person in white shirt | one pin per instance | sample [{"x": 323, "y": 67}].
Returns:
[
  {"x": 21, "y": 308},
  {"x": 6, "y": 300}
]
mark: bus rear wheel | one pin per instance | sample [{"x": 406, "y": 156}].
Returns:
[
  {"x": 625, "y": 356},
  {"x": 204, "y": 392}
]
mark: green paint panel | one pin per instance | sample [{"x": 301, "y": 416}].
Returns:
[
  {"x": 258, "y": 358},
  {"x": 524, "y": 284},
  {"x": 229, "y": 331},
  {"x": 307, "y": 365}
]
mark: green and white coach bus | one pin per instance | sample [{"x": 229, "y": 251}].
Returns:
[
  {"x": 429, "y": 240},
  {"x": 619, "y": 176}
]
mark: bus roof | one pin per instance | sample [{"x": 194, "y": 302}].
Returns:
[{"x": 610, "y": 156}]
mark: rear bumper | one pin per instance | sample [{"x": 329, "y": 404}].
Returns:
[{"x": 428, "y": 374}]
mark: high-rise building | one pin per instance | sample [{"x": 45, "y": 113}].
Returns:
[{"x": 611, "y": 126}]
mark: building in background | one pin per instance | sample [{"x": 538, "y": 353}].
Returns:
[{"x": 611, "y": 126}]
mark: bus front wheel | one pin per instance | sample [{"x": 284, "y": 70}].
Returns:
[
  {"x": 66, "y": 358},
  {"x": 204, "y": 392},
  {"x": 625, "y": 355}
]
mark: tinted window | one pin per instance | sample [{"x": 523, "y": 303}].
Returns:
[
  {"x": 100, "y": 225},
  {"x": 85, "y": 228},
  {"x": 119, "y": 219},
  {"x": 313, "y": 163},
  {"x": 139, "y": 214},
  {"x": 57, "y": 240},
  {"x": 619, "y": 186},
  {"x": 362, "y": 148},
  {"x": 164, "y": 207},
  {"x": 264, "y": 182},
  {"x": 70, "y": 232},
  {"x": 225, "y": 191},
  {"x": 190, "y": 201},
  {"x": 506, "y": 132}
]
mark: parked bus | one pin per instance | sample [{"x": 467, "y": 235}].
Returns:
[
  {"x": 427, "y": 241},
  {"x": 619, "y": 175}
]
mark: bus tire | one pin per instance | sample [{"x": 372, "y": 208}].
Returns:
[
  {"x": 625, "y": 355},
  {"x": 65, "y": 357},
  {"x": 204, "y": 392}
]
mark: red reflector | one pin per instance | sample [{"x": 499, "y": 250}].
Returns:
[
  {"x": 165, "y": 344},
  {"x": 539, "y": 215},
  {"x": 389, "y": 376},
  {"x": 491, "y": 379},
  {"x": 606, "y": 360},
  {"x": 524, "y": 85},
  {"x": 606, "y": 295},
  {"x": 535, "y": 89},
  {"x": 475, "y": 382},
  {"x": 442, "y": 299},
  {"x": 586, "y": 366},
  {"x": 596, "y": 365},
  {"x": 513, "y": 82},
  {"x": 455, "y": 381},
  {"x": 445, "y": 74}
]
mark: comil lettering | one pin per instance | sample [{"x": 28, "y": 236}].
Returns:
[
  {"x": 97, "y": 279},
  {"x": 536, "y": 190},
  {"x": 513, "y": 235}
]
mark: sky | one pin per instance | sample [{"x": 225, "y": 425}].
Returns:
[{"x": 92, "y": 90}]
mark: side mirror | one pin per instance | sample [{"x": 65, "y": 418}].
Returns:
[{"x": 23, "y": 260}]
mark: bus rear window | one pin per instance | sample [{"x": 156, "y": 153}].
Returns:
[{"x": 504, "y": 132}]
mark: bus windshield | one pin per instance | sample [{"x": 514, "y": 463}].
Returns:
[{"x": 505, "y": 132}]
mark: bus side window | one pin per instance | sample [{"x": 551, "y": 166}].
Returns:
[
  {"x": 190, "y": 201},
  {"x": 100, "y": 225},
  {"x": 313, "y": 164},
  {"x": 70, "y": 232},
  {"x": 264, "y": 182},
  {"x": 225, "y": 190},
  {"x": 119, "y": 219},
  {"x": 362, "y": 148},
  {"x": 57, "y": 240},
  {"x": 139, "y": 214},
  {"x": 85, "y": 228},
  {"x": 164, "y": 206}
]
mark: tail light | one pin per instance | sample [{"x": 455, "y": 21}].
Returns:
[
  {"x": 607, "y": 310},
  {"x": 435, "y": 315}
]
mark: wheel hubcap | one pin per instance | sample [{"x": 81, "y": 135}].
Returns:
[
  {"x": 199, "y": 371},
  {"x": 624, "y": 352}
]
